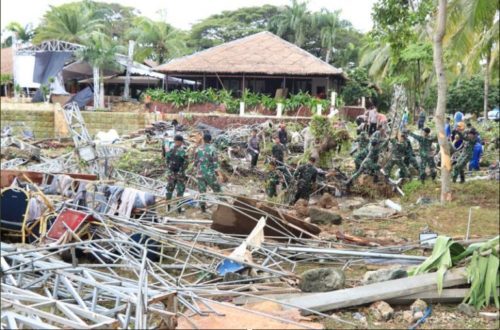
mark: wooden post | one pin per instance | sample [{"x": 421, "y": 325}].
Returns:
[
  {"x": 204, "y": 81},
  {"x": 319, "y": 109},
  {"x": 363, "y": 102},
  {"x": 279, "y": 109},
  {"x": 334, "y": 99},
  {"x": 242, "y": 108}
]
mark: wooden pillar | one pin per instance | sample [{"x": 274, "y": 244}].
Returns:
[
  {"x": 242, "y": 84},
  {"x": 166, "y": 83},
  {"x": 204, "y": 81}
]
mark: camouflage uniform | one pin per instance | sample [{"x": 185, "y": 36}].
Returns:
[
  {"x": 306, "y": 176},
  {"x": 426, "y": 158},
  {"x": 409, "y": 157},
  {"x": 464, "y": 158},
  {"x": 272, "y": 180},
  {"x": 370, "y": 163},
  {"x": 205, "y": 162},
  {"x": 362, "y": 151},
  {"x": 177, "y": 162},
  {"x": 397, "y": 155},
  {"x": 278, "y": 152}
]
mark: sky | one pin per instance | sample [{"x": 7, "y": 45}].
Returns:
[{"x": 183, "y": 13}]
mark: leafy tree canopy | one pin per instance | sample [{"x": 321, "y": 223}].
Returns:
[{"x": 231, "y": 25}]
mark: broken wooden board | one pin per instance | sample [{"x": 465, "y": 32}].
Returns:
[
  {"x": 448, "y": 296},
  {"x": 243, "y": 217},
  {"x": 8, "y": 176},
  {"x": 360, "y": 295}
]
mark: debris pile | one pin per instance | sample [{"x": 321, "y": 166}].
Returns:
[{"x": 86, "y": 244}]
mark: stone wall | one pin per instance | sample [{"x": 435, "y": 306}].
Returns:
[{"x": 46, "y": 120}]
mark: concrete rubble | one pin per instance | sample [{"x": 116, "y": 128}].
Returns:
[{"x": 86, "y": 244}]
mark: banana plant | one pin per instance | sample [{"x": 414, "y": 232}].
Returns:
[{"x": 482, "y": 270}]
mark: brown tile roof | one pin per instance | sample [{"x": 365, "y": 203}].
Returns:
[
  {"x": 6, "y": 61},
  {"x": 262, "y": 53}
]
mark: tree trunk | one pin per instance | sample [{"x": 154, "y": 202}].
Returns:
[
  {"x": 486, "y": 84},
  {"x": 126, "y": 90},
  {"x": 95, "y": 71},
  {"x": 101, "y": 89},
  {"x": 441, "y": 102}
]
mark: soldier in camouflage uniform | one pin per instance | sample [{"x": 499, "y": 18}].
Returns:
[
  {"x": 398, "y": 151},
  {"x": 278, "y": 152},
  {"x": 370, "y": 163},
  {"x": 362, "y": 149},
  {"x": 205, "y": 162},
  {"x": 272, "y": 180},
  {"x": 409, "y": 157},
  {"x": 425, "y": 150},
  {"x": 306, "y": 177},
  {"x": 177, "y": 162},
  {"x": 465, "y": 156}
]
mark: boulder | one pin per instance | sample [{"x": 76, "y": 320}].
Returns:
[
  {"x": 324, "y": 216},
  {"x": 351, "y": 203},
  {"x": 322, "y": 280},
  {"x": 382, "y": 275},
  {"x": 373, "y": 211},
  {"x": 327, "y": 201},
  {"x": 418, "y": 306},
  {"x": 381, "y": 311},
  {"x": 408, "y": 317},
  {"x": 467, "y": 310},
  {"x": 301, "y": 207}
]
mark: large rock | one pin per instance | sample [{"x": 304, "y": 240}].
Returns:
[
  {"x": 324, "y": 216},
  {"x": 301, "y": 207},
  {"x": 382, "y": 275},
  {"x": 351, "y": 203},
  {"x": 322, "y": 280},
  {"x": 381, "y": 311},
  {"x": 373, "y": 211},
  {"x": 418, "y": 306},
  {"x": 327, "y": 201}
]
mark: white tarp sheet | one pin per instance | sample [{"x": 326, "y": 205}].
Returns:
[{"x": 24, "y": 66}]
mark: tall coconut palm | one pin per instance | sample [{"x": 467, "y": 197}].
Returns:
[
  {"x": 22, "y": 33},
  {"x": 328, "y": 23},
  {"x": 159, "y": 41},
  {"x": 293, "y": 22},
  {"x": 474, "y": 36},
  {"x": 70, "y": 22},
  {"x": 100, "y": 52}
]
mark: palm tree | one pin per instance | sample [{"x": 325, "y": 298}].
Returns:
[
  {"x": 22, "y": 33},
  {"x": 100, "y": 52},
  {"x": 70, "y": 22},
  {"x": 328, "y": 23},
  {"x": 293, "y": 22},
  {"x": 473, "y": 36},
  {"x": 159, "y": 41}
]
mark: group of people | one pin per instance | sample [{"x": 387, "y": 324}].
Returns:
[
  {"x": 205, "y": 165},
  {"x": 372, "y": 141},
  {"x": 369, "y": 146}
]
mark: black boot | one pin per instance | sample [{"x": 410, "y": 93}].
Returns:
[
  {"x": 462, "y": 177},
  {"x": 168, "y": 207}
]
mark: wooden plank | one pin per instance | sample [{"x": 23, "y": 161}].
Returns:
[
  {"x": 360, "y": 295},
  {"x": 448, "y": 296}
]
